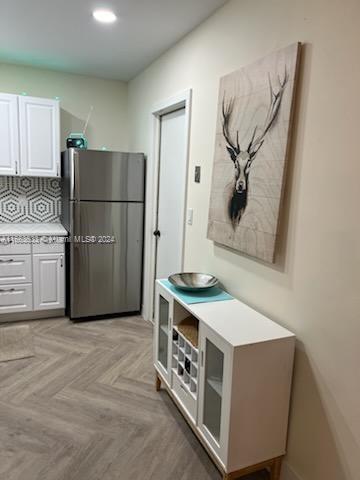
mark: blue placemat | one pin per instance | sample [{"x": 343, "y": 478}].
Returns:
[{"x": 214, "y": 294}]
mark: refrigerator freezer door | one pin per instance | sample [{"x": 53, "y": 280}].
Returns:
[
  {"x": 105, "y": 278},
  {"x": 106, "y": 176}
]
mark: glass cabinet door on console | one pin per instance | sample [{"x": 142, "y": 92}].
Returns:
[
  {"x": 163, "y": 328},
  {"x": 214, "y": 357}
]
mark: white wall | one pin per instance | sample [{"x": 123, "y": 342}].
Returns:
[
  {"x": 108, "y": 125},
  {"x": 314, "y": 288}
]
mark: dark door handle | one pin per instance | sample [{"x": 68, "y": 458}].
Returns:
[{"x": 156, "y": 233}]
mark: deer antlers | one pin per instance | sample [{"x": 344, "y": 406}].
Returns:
[
  {"x": 275, "y": 102},
  {"x": 256, "y": 141},
  {"x": 232, "y": 148}
]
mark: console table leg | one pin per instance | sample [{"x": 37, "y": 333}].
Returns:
[
  {"x": 157, "y": 383},
  {"x": 276, "y": 469}
]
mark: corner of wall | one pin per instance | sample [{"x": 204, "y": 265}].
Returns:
[{"x": 287, "y": 473}]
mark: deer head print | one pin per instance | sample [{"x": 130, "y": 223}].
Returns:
[{"x": 243, "y": 158}]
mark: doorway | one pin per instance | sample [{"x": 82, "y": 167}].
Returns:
[
  {"x": 171, "y": 194},
  {"x": 167, "y": 189}
]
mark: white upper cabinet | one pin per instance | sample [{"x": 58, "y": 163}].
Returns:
[
  {"x": 29, "y": 136},
  {"x": 9, "y": 139},
  {"x": 39, "y": 121}
]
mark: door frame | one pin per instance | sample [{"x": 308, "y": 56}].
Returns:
[{"x": 180, "y": 100}]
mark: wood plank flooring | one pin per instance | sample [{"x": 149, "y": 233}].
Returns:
[{"x": 85, "y": 408}]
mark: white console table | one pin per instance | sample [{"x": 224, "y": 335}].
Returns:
[{"x": 234, "y": 389}]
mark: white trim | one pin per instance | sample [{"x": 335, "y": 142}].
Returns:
[
  {"x": 287, "y": 473},
  {"x": 182, "y": 99}
]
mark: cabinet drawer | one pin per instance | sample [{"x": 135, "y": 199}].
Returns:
[
  {"x": 48, "y": 246},
  {"x": 10, "y": 247},
  {"x": 15, "y": 269},
  {"x": 15, "y": 298},
  {"x": 184, "y": 396}
]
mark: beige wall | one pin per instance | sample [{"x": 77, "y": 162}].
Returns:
[
  {"x": 314, "y": 288},
  {"x": 108, "y": 125}
]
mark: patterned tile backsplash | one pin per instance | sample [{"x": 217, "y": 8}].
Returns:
[{"x": 30, "y": 199}]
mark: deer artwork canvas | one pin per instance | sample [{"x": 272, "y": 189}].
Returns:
[{"x": 252, "y": 136}]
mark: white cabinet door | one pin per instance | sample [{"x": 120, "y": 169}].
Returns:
[
  {"x": 215, "y": 390},
  {"x": 39, "y": 137},
  {"x": 163, "y": 333},
  {"x": 49, "y": 281},
  {"x": 9, "y": 135}
]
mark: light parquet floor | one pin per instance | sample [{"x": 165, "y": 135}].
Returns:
[{"x": 85, "y": 408}]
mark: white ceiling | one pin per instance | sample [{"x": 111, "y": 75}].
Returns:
[{"x": 62, "y": 35}]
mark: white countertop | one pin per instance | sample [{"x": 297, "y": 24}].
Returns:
[
  {"x": 235, "y": 321},
  {"x": 35, "y": 229}
]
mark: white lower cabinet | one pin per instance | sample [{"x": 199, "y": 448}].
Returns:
[
  {"x": 32, "y": 277},
  {"x": 49, "y": 281},
  {"x": 234, "y": 386}
]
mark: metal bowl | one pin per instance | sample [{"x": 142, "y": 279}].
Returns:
[{"x": 194, "y": 282}]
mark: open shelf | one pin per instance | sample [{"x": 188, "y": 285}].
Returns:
[{"x": 215, "y": 384}]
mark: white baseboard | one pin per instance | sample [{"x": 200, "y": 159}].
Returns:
[{"x": 287, "y": 473}]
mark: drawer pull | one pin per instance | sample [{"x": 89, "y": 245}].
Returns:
[
  {"x": 5, "y": 290},
  {"x": 7, "y": 261}
]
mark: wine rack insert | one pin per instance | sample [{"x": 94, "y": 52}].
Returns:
[{"x": 185, "y": 362}]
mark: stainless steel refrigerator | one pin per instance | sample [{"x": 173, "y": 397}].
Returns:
[{"x": 103, "y": 211}]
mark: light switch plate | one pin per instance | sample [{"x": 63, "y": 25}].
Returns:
[
  {"x": 190, "y": 215},
  {"x": 197, "y": 174}
]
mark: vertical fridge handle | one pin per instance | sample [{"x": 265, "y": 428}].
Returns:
[
  {"x": 76, "y": 223},
  {"x": 76, "y": 175},
  {"x": 73, "y": 165}
]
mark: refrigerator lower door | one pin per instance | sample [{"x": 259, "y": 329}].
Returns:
[{"x": 105, "y": 278}]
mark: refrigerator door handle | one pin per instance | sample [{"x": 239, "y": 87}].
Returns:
[
  {"x": 70, "y": 174},
  {"x": 75, "y": 223},
  {"x": 77, "y": 220},
  {"x": 76, "y": 175}
]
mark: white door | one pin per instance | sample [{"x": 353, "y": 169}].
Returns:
[
  {"x": 39, "y": 137},
  {"x": 49, "y": 281},
  {"x": 9, "y": 134},
  {"x": 171, "y": 194}
]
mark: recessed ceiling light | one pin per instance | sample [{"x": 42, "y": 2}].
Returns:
[{"x": 104, "y": 16}]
